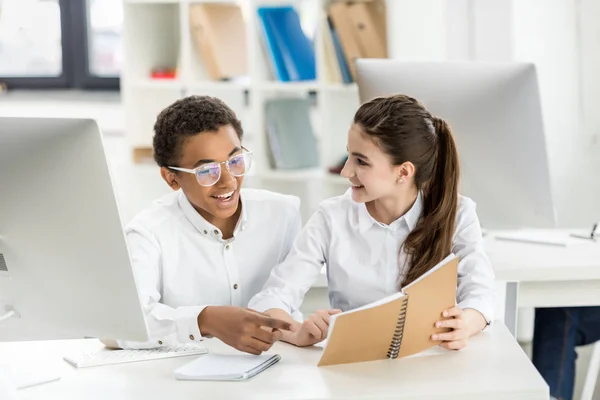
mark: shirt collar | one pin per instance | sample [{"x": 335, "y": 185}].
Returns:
[
  {"x": 366, "y": 221},
  {"x": 202, "y": 225}
]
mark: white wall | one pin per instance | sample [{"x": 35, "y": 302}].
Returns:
[{"x": 416, "y": 30}]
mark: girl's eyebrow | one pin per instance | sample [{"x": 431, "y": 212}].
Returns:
[{"x": 355, "y": 154}]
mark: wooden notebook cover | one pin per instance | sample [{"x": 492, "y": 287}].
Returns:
[
  {"x": 364, "y": 335},
  {"x": 219, "y": 33},
  {"x": 427, "y": 299}
]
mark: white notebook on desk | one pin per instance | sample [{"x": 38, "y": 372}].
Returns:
[{"x": 225, "y": 367}]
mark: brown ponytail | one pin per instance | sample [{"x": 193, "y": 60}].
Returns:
[{"x": 406, "y": 131}]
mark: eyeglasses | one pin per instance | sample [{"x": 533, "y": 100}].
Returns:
[{"x": 209, "y": 174}]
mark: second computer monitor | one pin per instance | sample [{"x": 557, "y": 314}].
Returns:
[{"x": 495, "y": 114}]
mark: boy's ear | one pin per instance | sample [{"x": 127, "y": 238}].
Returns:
[{"x": 170, "y": 177}]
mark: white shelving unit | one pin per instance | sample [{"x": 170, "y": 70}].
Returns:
[{"x": 157, "y": 34}]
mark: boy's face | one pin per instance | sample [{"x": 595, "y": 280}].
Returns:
[{"x": 221, "y": 200}]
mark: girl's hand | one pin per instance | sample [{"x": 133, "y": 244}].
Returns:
[
  {"x": 464, "y": 324},
  {"x": 314, "y": 329}
]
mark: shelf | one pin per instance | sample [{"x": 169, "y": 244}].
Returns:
[
  {"x": 308, "y": 86},
  {"x": 292, "y": 87},
  {"x": 216, "y": 85},
  {"x": 215, "y": 1},
  {"x": 148, "y": 83},
  {"x": 340, "y": 87},
  {"x": 151, "y": 2}
]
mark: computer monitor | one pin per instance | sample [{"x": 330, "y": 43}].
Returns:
[
  {"x": 495, "y": 114},
  {"x": 65, "y": 270}
]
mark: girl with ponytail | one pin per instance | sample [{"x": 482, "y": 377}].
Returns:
[{"x": 401, "y": 217}]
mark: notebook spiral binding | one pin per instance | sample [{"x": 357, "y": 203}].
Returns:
[{"x": 396, "y": 343}]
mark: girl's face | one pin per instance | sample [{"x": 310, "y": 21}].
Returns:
[
  {"x": 370, "y": 170},
  {"x": 221, "y": 200}
]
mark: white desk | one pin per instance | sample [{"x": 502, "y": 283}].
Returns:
[
  {"x": 493, "y": 366},
  {"x": 539, "y": 275}
]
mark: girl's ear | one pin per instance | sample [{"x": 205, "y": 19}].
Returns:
[
  {"x": 405, "y": 172},
  {"x": 170, "y": 177}
]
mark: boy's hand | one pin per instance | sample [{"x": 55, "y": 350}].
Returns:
[{"x": 241, "y": 328}]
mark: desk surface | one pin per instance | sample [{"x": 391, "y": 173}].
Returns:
[
  {"x": 492, "y": 366},
  {"x": 523, "y": 262}
]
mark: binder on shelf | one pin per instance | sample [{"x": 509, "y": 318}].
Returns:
[
  {"x": 361, "y": 27},
  {"x": 332, "y": 72},
  {"x": 396, "y": 326},
  {"x": 343, "y": 65},
  {"x": 290, "y": 134},
  {"x": 291, "y": 52},
  {"x": 219, "y": 35}
]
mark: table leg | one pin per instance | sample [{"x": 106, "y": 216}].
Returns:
[{"x": 511, "y": 306}]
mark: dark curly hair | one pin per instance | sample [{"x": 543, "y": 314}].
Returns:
[{"x": 188, "y": 117}]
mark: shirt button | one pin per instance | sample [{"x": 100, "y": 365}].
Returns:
[
  {"x": 205, "y": 231},
  {"x": 235, "y": 286},
  {"x": 227, "y": 247},
  {"x": 216, "y": 232},
  {"x": 191, "y": 337},
  {"x": 160, "y": 342}
]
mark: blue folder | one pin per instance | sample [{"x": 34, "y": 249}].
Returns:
[{"x": 291, "y": 52}]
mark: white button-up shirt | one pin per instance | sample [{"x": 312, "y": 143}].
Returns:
[
  {"x": 182, "y": 263},
  {"x": 364, "y": 261}
]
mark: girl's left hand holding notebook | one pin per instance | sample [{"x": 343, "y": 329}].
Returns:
[
  {"x": 465, "y": 323},
  {"x": 313, "y": 330}
]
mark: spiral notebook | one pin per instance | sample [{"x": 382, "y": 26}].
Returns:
[{"x": 396, "y": 326}]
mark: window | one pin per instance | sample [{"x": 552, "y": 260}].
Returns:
[{"x": 60, "y": 43}]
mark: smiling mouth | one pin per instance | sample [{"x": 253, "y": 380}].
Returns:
[
  {"x": 357, "y": 186},
  {"x": 224, "y": 197}
]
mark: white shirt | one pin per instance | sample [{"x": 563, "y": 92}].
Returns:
[
  {"x": 182, "y": 263},
  {"x": 363, "y": 257}
]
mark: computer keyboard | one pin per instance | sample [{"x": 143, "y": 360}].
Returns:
[{"x": 108, "y": 357}]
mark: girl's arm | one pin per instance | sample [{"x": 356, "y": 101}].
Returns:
[{"x": 289, "y": 281}]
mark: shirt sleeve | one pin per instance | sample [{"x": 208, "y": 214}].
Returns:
[
  {"x": 476, "y": 281},
  {"x": 290, "y": 280},
  {"x": 166, "y": 325}
]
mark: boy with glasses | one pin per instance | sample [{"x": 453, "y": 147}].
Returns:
[{"x": 201, "y": 253}]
